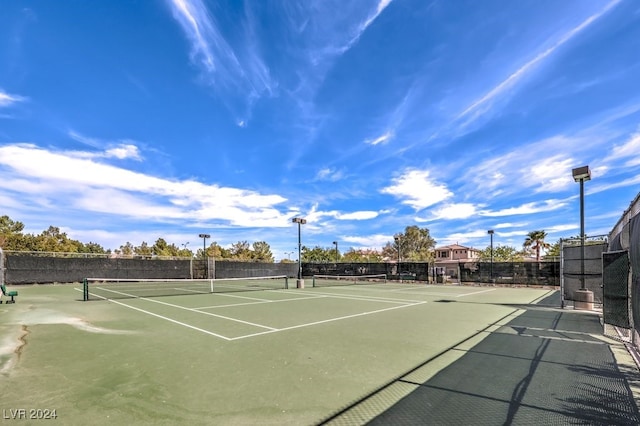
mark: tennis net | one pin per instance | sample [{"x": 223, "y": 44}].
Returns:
[
  {"x": 337, "y": 280},
  {"x": 112, "y": 288}
]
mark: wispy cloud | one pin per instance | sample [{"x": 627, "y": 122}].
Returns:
[
  {"x": 417, "y": 189},
  {"x": 374, "y": 241},
  {"x": 316, "y": 216},
  {"x": 527, "y": 208},
  {"x": 453, "y": 211},
  {"x": 482, "y": 105},
  {"x": 121, "y": 149},
  {"x": 629, "y": 151},
  {"x": 381, "y": 6},
  {"x": 7, "y": 99},
  {"x": 329, "y": 174},
  {"x": 232, "y": 70},
  {"x": 512, "y": 171},
  {"x": 384, "y": 138}
]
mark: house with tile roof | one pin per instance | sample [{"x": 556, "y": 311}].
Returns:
[{"x": 448, "y": 257}]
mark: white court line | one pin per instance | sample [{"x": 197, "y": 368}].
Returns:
[
  {"x": 326, "y": 321},
  {"x": 270, "y": 329},
  {"x": 258, "y": 303},
  {"x": 238, "y": 296},
  {"x": 368, "y": 298},
  {"x": 191, "y": 309},
  {"x": 371, "y": 288},
  {"x": 163, "y": 317},
  {"x": 476, "y": 292}
]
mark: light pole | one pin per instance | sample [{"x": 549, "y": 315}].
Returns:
[
  {"x": 490, "y": 232},
  {"x": 300, "y": 221},
  {"x": 204, "y": 253},
  {"x": 337, "y": 253},
  {"x": 398, "y": 240},
  {"x": 288, "y": 253},
  {"x": 584, "y": 297}
]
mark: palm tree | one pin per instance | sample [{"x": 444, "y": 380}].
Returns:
[{"x": 535, "y": 241}]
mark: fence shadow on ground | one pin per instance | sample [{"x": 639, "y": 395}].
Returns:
[{"x": 545, "y": 366}]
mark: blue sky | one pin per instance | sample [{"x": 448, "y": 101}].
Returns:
[{"x": 130, "y": 121}]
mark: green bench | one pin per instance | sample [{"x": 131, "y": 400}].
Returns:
[{"x": 10, "y": 294}]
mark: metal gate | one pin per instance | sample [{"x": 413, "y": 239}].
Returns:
[{"x": 616, "y": 289}]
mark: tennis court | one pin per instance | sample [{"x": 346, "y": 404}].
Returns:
[{"x": 274, "y": 356}]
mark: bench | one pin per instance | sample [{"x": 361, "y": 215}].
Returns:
[{"x": 10, "y": 294}]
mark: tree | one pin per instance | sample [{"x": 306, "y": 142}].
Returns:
[
  {"x": 53, "y": 240},
  {"x": 362, "y": 256},
  {"x": 162, "y": 248},
  {"x": 415, "y": 244},
  {"x": 144, "y": 249},
  {"x": 90, "y": 247},
  {"x": 501, "y": 254},
  {"x": 262, "y": 252},
  {"x": 535, "y": 241},
  {"x": 9, "y": 228},
  {"x": 127, "y": 249},
  {"x": 553, "y": 252},
  {"x": 318, "y": 254},
  {"x": 241, "y": 251}
]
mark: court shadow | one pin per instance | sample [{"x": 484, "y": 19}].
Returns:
[{"x": 510, "y": 377}]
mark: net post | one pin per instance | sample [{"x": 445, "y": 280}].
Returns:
[
  {"x": 85, "y": 290},
  {"x": 211, "y": 285},
  {"x": 286, "y": 283}
]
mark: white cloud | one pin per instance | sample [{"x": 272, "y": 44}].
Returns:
[
  {"x": 375, "y": 241},
  {"x": 552, "y": 174},
  {"x": 43, "y": 176},
  {"x": 360, "y": 215},
  {"x": 328, "y": 174},
  {"x": 527, "y": 208},
  {"x": 561, "y": 228},
  {"x": 629, "y": 150},
  {"x": 417, "y": 189},
  {"x": 7, "y": 99},
  {"x": 514, "y": 171},
  {"x": 384, "y": 138},
  {"x": 124, "y": 151},
  {"x": 452, "y": 212}
]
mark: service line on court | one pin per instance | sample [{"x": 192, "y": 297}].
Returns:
[
  {"x": 367, "y": 298},
  {"x": 476, "y": 292},
  {"x": 184, "y": 324},
  {"x": 193, "y": 310},
  {"x": 268, "y": 330},
  {"x": 293, "y": 327},
  {"x": 258, "y": 302}
]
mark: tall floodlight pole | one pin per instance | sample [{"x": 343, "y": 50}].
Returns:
[
  {"x": 490, "y": 232},
  {"x": 337, "y": 253},
  {"x": 204, "y": 253},
  {"x": 398, "y": 240},
  {"x": 582, "y": 175},
  {"x": 300, "y": 221}
]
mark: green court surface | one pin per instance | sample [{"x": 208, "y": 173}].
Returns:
[{"x": 295, "y": 356}]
